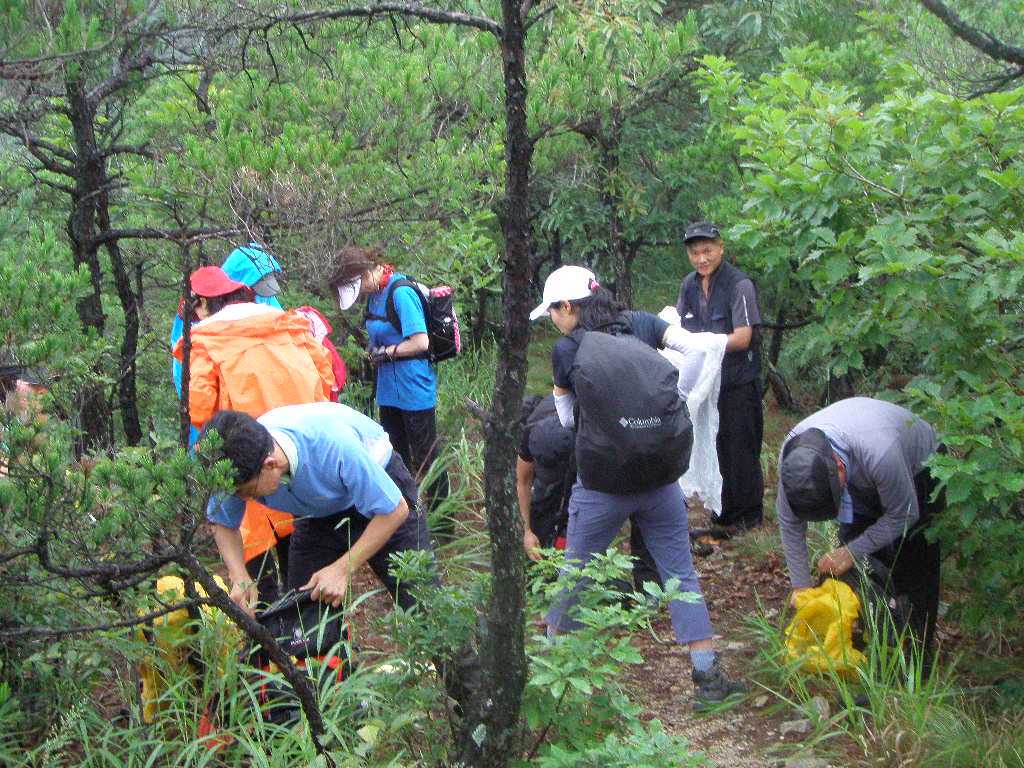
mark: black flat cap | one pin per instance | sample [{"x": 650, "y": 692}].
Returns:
[
  {"x": 810, "y": 476},
  {"x": 701, "y": 230}
]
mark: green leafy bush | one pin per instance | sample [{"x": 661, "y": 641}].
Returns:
[{"x": 897, "y": 223}]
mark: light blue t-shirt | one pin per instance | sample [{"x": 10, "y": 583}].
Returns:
[
  {"x": 407, "y": 384},
  {"x": 341, "y": 456}
]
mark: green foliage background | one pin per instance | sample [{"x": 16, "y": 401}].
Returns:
[{"x": 851, "y": 157}]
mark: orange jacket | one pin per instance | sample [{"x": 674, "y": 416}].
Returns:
[{"x": 253, "y": 360}]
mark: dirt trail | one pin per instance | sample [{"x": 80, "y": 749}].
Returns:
[{"x": 749, "y": 734}]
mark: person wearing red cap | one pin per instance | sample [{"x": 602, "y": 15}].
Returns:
[{"x": 251, "y": 357}]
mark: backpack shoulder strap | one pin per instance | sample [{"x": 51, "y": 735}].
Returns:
[
  {"x": 390, "y": 302},
  {"x": 390, "y": 313}
]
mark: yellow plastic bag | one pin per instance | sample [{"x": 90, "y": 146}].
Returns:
[
  {"x": 821, "y": 633},
  {"x": 170, "y": 639}
]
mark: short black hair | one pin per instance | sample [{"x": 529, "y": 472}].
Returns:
[{"x": 244, "y": 442}]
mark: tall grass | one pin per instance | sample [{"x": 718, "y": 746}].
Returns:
[{"x": 897, "y": 713}]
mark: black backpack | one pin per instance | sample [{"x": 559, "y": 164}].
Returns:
[
  {"x": 633, "y": 432},
  {"x": 439, "y": 311},
  {"x": 306, "y": 629}
]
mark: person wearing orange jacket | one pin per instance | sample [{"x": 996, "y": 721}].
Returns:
[{"x": 252, "y": 357}]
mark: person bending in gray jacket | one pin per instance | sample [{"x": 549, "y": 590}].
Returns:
[{"x": 862, "y": 461}]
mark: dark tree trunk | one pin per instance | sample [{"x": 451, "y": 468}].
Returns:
[
  {"x": 184, "y": 415},
  {"x": 487, "y": 740},
  {"x": 479, "y": 329},
  {"x": 299, "y": 679},
  {"x": 617, "y": 252},
  {"x": 89, "y": 181},
  {"x": 775, "y": 347},
  {"x": 90, "y": 218},
  {"x": 127, "y": 399},
  {"x": 780, "y": 388},
  {"x": 547, "y": 252},
  {"x": 776, "y": 381},
  {"x": 837, "y": 388}
]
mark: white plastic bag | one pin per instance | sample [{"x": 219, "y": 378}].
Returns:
[{"x": 704, "y": 477}]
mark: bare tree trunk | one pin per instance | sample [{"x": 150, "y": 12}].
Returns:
[
  {"x": 479, "y": 328},
  {"x": 775, "y": 347},
  {"x": 127, "y": 399},
  {"x": 90, "y": 176},
  {"x": 837, "y": 388},
  {"x": 780, "y": 388},
  {"x": 487, "y": 742},
  {"x": 184, "y": 414},
  {"x": 608, "y": 171}
]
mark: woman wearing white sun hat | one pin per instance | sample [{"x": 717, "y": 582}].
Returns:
[
  {"x": 577, "y": 304},
  {"x": 406, "y": 385}
]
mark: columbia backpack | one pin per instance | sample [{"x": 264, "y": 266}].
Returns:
[
  {"x": 633, "y": 432},
  {"x": 439, "y": 311}
]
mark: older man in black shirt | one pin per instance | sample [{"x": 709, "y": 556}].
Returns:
[{"x": 720, "y": 298}]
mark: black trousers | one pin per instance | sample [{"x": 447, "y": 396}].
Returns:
[
  {"x": 319, "y": 541},
  {"x": 546, "y": 524},
  {"x": 740, "y": 433},
  {"x": 414, "y": 436},
  {"x": 913, "y": 562},
  {"x": 644, "y": 568},
  {"x": 267, "y": 570}
]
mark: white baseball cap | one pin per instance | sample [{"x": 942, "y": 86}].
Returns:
[
  {"x": 348, "y": 293},
  {"x": 565, "y": 284}
]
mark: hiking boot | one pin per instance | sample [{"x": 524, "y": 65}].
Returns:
[
  {"x": 701, "y": 548},
  {"x": 736, "y": 527},
  {"x": 715, "y": 685},
  {"x": 724, "y": 532}
]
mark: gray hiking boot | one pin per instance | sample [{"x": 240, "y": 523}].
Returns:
[{"x": 715, "y": 685}]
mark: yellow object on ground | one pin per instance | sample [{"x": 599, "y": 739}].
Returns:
[
  {"x": 172, "y": 640},
  {"x": 821, "y": 633}
]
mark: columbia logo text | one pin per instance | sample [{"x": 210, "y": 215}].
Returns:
[{"x": 634, "y": 423}]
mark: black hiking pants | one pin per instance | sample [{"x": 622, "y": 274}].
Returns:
[
  {"x": 319, "y": 541},
  {"x": 740, "y": 433},
  {"x": 414, "y": 436},
  {"x": 913, "y": 562}
]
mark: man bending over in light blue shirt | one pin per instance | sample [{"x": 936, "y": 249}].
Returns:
[
  {"x": 352, "y": 496},
  {"x": 332, "y": 468}
]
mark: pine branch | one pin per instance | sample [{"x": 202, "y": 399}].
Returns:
[
  {"x": 434, "y": 15},
  {"x": 49, "y": 632}
]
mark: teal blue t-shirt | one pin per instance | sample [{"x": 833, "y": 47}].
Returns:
[{"x": 407, "y": 384}]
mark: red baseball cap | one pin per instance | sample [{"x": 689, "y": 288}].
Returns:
[{"x": 213, "y": 281}]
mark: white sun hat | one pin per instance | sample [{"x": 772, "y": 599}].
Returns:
[
  {"x": 565, "y": 284},
  {"x": 348, "y": 293}
]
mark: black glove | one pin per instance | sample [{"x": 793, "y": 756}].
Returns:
[{"x": 378, "y": 355}]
